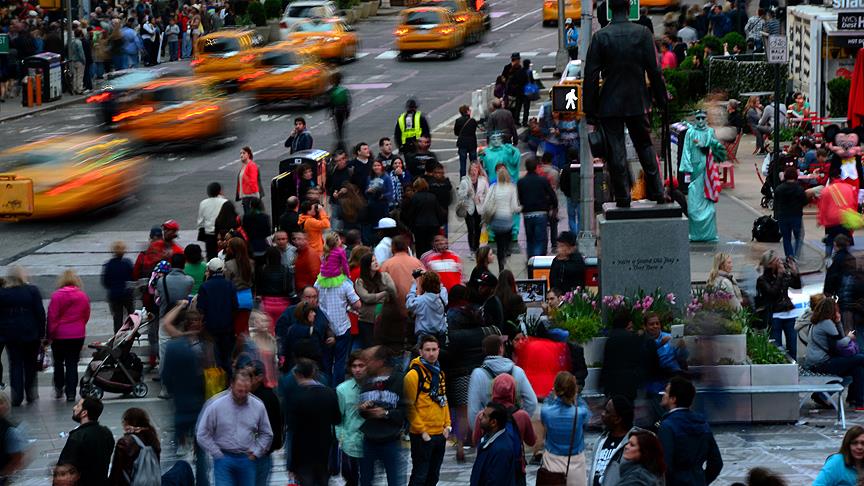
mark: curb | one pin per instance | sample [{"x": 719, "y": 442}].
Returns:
[{"x": 48, "y": 107}]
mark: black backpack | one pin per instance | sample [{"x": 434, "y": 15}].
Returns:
[{"x": 766, "y": 230}]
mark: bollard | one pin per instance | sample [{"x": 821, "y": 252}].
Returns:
[
  {"x": 38, "y": 90},
  {"x": 29, "y": 91}
]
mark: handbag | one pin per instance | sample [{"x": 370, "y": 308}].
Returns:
[
  {"x": 489, "y": 205},
  {"x": 597, "y": 141},
  {"x": 244, "y": 299},
  {"x": 847, "y": 350},
  {"x": 546, "y": 477},
  {"x": 43, "y": 359},
  {"x": 214, "y": 381},
  {"x": 461, "y": 204},
  {"x": 532, "y": 91}
]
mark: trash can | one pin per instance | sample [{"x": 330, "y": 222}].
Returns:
[{"x": 48, "y": 64}]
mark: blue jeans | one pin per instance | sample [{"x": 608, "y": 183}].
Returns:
[
  {"x": 780, "y": 327},
  {"x": 187, "y": 45},
  {"x": 574, "y": 216},
  {"x": 234, "y": 470},
  {"x": 388, "y": 454},
  {"x": 426, "y": 459},
  {"x": 173, "y": 50},
  {"x": 536, "y": 236},
  {"x": 120, "y": 62},
  {"x": 134, "y": 59},
  {"x": 790, "y": 227},
  {"x": 263, "y": 465},
  {"x": 340, "y": 357},
  {"x": 464, "y": 155}
]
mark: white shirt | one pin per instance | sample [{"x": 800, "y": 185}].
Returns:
[
  {"x": 383, "y": 250},
  {"x": 208, "y": 210}
]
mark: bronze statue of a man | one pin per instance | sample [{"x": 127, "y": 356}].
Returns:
[{"x": 622, "y": 53}]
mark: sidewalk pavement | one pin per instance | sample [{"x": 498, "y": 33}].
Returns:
[{"x": 12, "y": 108}]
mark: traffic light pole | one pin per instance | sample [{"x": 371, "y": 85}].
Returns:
[
  {"x": 561, "y": 57},
  {"x": 587, "y": 237},
  {"x": 68, "y": 29}
]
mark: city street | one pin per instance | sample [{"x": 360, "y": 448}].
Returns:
[{"x": 176, "y": 181}]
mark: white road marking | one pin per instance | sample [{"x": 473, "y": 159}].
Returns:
[
  {"x": 530, "y": 54},
  {"x": 486, "y": 55},
  {"x": 241, "y": 110},
  {"x": 361, "y": 55},
  {"x": 387, "y": 55},
  {"x": 498, "y": 15},
  {"x": 517, "y": 19},
  {"x": 269, "y": 118}
]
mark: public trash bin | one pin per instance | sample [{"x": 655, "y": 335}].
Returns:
[{"x": 48, "y": 64}]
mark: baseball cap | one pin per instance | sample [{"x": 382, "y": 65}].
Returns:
[
  {"x": 386, "y": 223},
  {"x": 567, "y": 237},
  {"x": 515, "y": 55},
  {"x": 568, "y": 21},
  {"x": 215, "y": 265},
  {"x": 156, "y": 231},
  {"x": 171, "y": 225}
]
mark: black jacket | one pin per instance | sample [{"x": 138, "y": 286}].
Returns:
[
  {"x": 275, "y": 281},
  {"x": 443, "y": 190},
  {"x": 517, "y": 81},
  {"x": 274, "y": 415},
  {"x": 535, "y": 193},
  {"x": 836, "y": 271},
  {"x": 89, "y": 449},
  {"x": 566, "y": 275},
  {"x": 387, "y": 394},
  {"x": 424, "y": 211},
  {"x": 288, "y": 222},
  {"x": 789, "y": 201},
  {"x": 772, "y": 291},
  {"x": 623, "y": 52},
  {"x": 416, "y": 162},
  {"x": 628, "y": 360},
  {"x": 217, "y": 301},
  {"x": 310, "y": 414},
  {"x": 465, "y": 332},
  {"x": 22, "y": 315},
  {"x": 687, "y": 444},
  {"x": 337, "y": 178},
  {"x": 465, "y": 130}
]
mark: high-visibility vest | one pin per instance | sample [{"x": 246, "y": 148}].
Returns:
[{"x": 414, "y": 131}]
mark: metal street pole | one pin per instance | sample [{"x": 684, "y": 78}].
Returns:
[
  {"x": 68, "y": 29},
  {"x": 777, "y": 95},
  {"x": 561, "y": 57},
  {"x": 587, "y": 237}
]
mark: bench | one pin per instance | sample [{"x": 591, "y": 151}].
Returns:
[{"x": 727, "y": 176}]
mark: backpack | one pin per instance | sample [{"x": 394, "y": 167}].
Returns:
[
  {"x": 424, "y": 383},
  {"x": 146, "y": 470},
  {"x": 339, "y": 96},
  {"x": 766, "y": 230}
]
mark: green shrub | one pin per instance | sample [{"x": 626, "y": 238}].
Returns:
[
  {"x": 240, "y": 8},
  {"x": 734, "y": 39},
  {"x": 687, "y": 86},
  {"x": 256, "y": 14},
  {"x": 697, "y": 49},
  {"x": 838, "y": 97},
  {"x": 714, "y": 43},
  {"x": 273, "y": 8},
  {"x": 735, "y": 76},
  {"x": 343, "y": 4}
]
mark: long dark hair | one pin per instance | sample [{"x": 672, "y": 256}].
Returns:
[
  {"x": 371, "y": 280},
  {"x": 138, "y": 418},
  {"x": 651, "y": 452},
  {"x": 238, "y": 251},
  {"x": 846, "y": 448},
  {"x": 506, "y": 288},
  {"x": 482, "y": 257}
]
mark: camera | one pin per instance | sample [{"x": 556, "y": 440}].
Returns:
[{"x": 417, "y": 273}]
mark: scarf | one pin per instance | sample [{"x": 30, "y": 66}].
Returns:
[{"x": 434, "y": 379}]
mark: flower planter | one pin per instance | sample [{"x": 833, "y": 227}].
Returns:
[
  {"x": 358, "y": 12},
  {"x": 366, "y": 9},
  {"x": 594, "y": 351},
  {"x": 776, "y": 407},
  {"x": 723, "y": 408},
  {"x": 275, "y": 32},
  {"x": 349, "y": 17},
  {"x": 373, "y": 8},
  {"x": 592, "y": 381},
  {"x": 712, "y": 350}
]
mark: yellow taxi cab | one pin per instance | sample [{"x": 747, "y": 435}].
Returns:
[
  {"x": 659, "y": 3},
  {"x": 225, "y": 55},
  {"x": 175, "y": 110},
  {"x": 285, "y": 73},
  {"x": 473, "y": 20},
  {"x": 424, "y": 29},
  {"x": 71, "y": 175},
  {"x": 329, "y": 39},
  {"x": 572, "y": 9}
]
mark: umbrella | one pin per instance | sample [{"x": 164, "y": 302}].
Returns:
[{"x": 856, "y": 92}]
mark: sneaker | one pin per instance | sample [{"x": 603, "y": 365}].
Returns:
[
  {"x": 58, "y": 393},
  {"x": 70, "y": 399},
  {"x": 820, "y": 401}
]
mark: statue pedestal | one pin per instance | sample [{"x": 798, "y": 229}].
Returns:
[{"x": 644, "y": 247}]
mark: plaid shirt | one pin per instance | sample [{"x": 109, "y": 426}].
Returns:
[
  {"x": 334, "y": 303},
  {"x": 397, "y": 191}
]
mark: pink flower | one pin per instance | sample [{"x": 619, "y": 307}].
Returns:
[
  {"x": 670, "y": 297},
  {"x": 647, "y": 302}
]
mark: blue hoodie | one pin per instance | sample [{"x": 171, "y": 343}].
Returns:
[
  {"x": 835, "y": 472},
  {"x": 687, "y": 444},
  {"x": 429, "y": 311}
]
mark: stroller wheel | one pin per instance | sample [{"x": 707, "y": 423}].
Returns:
[
  {"x": 95, "y": 392},
  {"x": 140, "y": 390}
]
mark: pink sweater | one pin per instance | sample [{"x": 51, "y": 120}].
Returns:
[
  {"x": 68, "y": 313},
  {"x": 335, "y": 264}
]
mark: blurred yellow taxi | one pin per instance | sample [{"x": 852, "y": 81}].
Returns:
[
  {"x": 175, "y": 110},
  {"x": 72, "y": 175},
  {"x": 329, "y": 39},
  {"x": 225, "y": 55},
  {"x": 572, "y": 9},
  {"x": 284, "y": 73},
  {"x": 429, "y": 29},
  {"x": 659, "y": 3},
  {"x": 472, "y": 19}
]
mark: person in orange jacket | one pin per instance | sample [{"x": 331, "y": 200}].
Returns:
[{"x": 314, "y": 220}]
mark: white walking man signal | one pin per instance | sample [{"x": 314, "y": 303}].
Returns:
[{"x": 571, "y": 100}]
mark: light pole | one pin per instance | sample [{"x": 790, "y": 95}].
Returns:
[
  {"x": 561, "y": 57},
  {"x": 586, "y": 167},
  {"x": 68, "y": 29}
]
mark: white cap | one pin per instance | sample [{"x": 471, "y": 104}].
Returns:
[
  {"x": 568, "y": 21},
  {"x": 215, "y": 265},
  {"x": 386, "y": 223}
]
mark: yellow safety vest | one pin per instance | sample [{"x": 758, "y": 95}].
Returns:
[{"x": 412, "y": 132}]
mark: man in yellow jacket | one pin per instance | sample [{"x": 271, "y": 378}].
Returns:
[{"x": 428, "y": 413}]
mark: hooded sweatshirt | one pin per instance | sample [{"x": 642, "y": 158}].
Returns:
[
  {"x": 429, "y": 310},
  {"x": 314, "y": 227},
  {"x": 425, "y": 413},
  {"x": 687, "y": 444},
  {"x": 480, "y": 386},
  {"x": 504, "y": 392},
  {"x": 68, "y": 313}
]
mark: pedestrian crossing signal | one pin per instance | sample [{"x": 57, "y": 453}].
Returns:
[{"x": 567, "y": 99}]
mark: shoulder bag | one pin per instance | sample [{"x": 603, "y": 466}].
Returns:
[{"x": 546, "y": 477}]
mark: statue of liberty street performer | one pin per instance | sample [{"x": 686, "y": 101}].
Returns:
[{"x": 701, "y": 153}]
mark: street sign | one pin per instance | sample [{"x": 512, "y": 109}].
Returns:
[
  {"x": 567, "y": 99},
  {"x": 4, "y": 43},
  {"x": 632, "y": 16},
  {"x": 778, "y": 50},
  {"x": 850, "y": 20}
]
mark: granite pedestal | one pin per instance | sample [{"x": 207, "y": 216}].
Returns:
[{"x": 645, "y": 247}]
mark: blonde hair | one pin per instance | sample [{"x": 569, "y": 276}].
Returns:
[
  {"x": 766, "y": 260},
  {"x": 719, "y": 258},
  {"x": 69, "y": 279},
  {"x": 16, "y": 277},
  {"x": 503, "y": 175},
  {"x": 118, "y": 248},
  {"x": 332, "y": 241}
]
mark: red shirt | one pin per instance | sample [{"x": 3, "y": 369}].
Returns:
[
  {"x": 446, "y": 264},
  {"x": 306, "y": 268}
]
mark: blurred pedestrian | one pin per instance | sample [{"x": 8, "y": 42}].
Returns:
[
  {"x": 22, "y": 327},
  {"x": 241, "y": 272},
  {"x": 348, "y": 431},
  {"x": 89, "y": 445},
  {"x": 264, "y": 392},
  {"x": 116, "y": 278},
  {"x": 304, "y": 327},
  {"x": 340, "y": 107},
  {"x": 195, "y": 266},
  {"x": 13, "y": 443},
  {"x": 382, "y": 406},
  {"x": 68, "y": 314},
  {"x": 426, "y": 216},
  {"x": 217, "y": 302},
  {"x": 465, "y": 129},
  {"x": 140, "y": 437},
  {"x": 256, "y": 223},
  {"x": 502, "y": 203},
  {"x": 275, "y": 284},
  {"x": 471, "y": 193},
  {"x": 567, "y": 271},
  {"x": 538, "y": 200},
  {"x": 374, "y": 288},
  {"x": 208, "y": 210}
]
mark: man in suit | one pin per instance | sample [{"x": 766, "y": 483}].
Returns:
[{"x": 624, "y": 53}]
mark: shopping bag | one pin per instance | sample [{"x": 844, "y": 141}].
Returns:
[{"x": 214, "y": 381}]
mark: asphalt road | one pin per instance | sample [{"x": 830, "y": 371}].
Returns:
[{"x": 381, "y": 85}]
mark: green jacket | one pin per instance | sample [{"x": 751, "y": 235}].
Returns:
[{"x": 348, "y": 432}]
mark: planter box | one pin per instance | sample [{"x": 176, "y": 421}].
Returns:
[
  {"x": 374, "y": 8},
  {"x": 275, "y": 33},
  {"x": 264, "y": 32},
  {"x": 711, "y": 350},
  {"x": 784, "y": 407},
  {"x": 349, "y": 17},
  {"x": 592, "y": 381},
  {"x": 366, "y": 9},
  {"x": 719, "y": 408},
  {"x": 358, "y": 11},
  {"x": 594, "y": 351}
]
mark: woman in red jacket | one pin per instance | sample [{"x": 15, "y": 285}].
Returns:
[{"x": 68, "y": 313}]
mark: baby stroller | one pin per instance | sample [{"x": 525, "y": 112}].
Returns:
[{"x": 114, "y": 367}]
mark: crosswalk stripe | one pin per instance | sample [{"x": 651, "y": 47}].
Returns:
[
  {"x": 487, "y": 55},
  {"x": 361, "y": 55},
  {"x": 530, "y": 54},
  {"x": 387, "y": 55}
]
